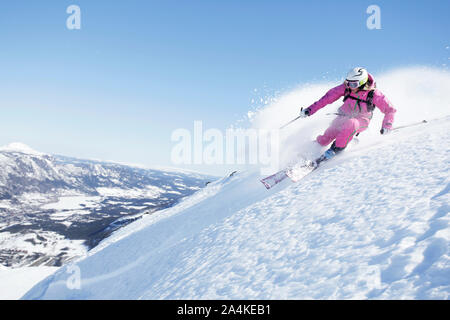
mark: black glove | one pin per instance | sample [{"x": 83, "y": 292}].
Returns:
[
  {"x": 384, "y": 131},
  {"x": 305, "y": 113}
]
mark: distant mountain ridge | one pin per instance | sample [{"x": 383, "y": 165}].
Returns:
[
  {"x": 38, "y": 172},
  {"x": 37, "y": 188}
]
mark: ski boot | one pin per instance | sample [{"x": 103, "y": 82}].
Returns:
[{"x": 329, "y": 154}]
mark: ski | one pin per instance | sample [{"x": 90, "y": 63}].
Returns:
[
  {"x": 295, "y": 172},
  {"x": 274, "y": 179},
  {"x": 300, "y": 170}
]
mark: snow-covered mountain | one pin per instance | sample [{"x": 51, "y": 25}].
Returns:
[
  {"x": 54, "y": 208},
  {"x": 371, "y": 224}
]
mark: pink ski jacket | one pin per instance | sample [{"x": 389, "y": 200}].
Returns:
[{"x": 352, "y": 109}]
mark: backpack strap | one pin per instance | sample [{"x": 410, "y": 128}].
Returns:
[
  {"x": 368, "y": 102},
  {"x": 347, "y": 93}
]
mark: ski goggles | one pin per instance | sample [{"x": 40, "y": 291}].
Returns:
[{"x": 352, "y": 84}]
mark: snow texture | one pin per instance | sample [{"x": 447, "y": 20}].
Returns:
[{"x": 14, "y": 283}]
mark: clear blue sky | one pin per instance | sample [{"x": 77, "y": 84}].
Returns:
[{"x": 137, "y": 70}]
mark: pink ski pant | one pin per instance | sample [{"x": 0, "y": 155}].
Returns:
[{"x": 342, "y": 130}]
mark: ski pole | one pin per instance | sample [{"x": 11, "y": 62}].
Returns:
[
  {"x": 300, "y": 116},
  {"x": 336, "y": 114},
  {"x": 410, "y": 125},
  {"x": 290, "y": 122}
]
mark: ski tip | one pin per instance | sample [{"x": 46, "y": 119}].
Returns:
[{"x": 265, "y": 184}]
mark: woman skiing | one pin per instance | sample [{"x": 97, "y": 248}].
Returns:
[{"x": 360, "y": 99}]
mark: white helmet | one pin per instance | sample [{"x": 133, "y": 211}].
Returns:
[{"x": 357, "y": 75}]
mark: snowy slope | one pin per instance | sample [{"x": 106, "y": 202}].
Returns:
[
  {"x": 14, "y": 283},
  {"x": 373, "y": 224}
]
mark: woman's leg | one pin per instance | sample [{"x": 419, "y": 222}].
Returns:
[
  {"x": 328, "y": 136},
  {"x": 348, "y": 130}
]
